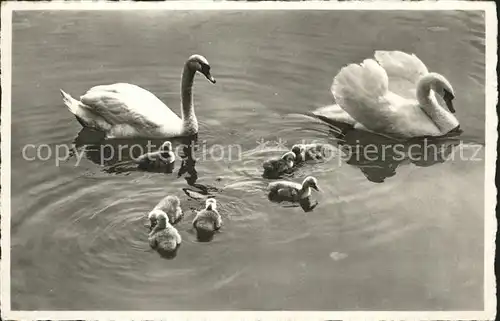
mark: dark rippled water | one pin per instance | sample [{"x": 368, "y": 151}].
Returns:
[{"x": 385, "y": 235}]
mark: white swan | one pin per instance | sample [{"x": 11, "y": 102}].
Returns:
[
  {"x": 124, "y": 110},
  {"x": 394, "y": 97}
]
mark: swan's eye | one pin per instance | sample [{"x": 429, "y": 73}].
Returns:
[
  {"x": 448, "y": 95},
  {"x": 205, "y": 68}
]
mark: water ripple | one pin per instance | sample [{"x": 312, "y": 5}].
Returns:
[{"x": 80, "y": 230}]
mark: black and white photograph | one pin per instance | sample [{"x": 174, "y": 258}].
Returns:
[{"x": 224, "y": 160}]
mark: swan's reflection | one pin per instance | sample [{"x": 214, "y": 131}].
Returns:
[
  {"x": 188, "y": 165},
  {"x": 307, "y": 204},
  {"x": 119, "y": 156},
  {"x": 188, "y": 162},
  {"x": 378, "y": 157}
]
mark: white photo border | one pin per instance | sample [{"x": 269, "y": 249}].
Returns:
[{"x": 491, "y": 135}]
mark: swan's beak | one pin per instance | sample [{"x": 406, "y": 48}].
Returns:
[
  {"x": 448, "y": 99},
  {"x": 449, "y": 104},
  {"x": 210, "y": 78},
  {"x": 316, "y": 187}
]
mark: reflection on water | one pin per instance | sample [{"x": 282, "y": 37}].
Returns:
[
  {"x": 117, "y": 155},
  {"x": 378, "y": 157},
  {"x": 385, "y": 158},
  {"x": 398, "y": 232}
]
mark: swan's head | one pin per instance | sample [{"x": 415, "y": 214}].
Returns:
[
  {"x": 154, "y": 214},
  {"x": 289, "y": 158},
  {"x": 311, "y": 182},
  {"x": 211, "y": 204},
  {"x": 443, "y": 88},
  {"x": 166, "y": 146},
  {"x": 200, "y": 64},
  {"x": 162, "y": 219},
  {"x": 299, "y": 151},
  {"x": 298, "y": 148}
]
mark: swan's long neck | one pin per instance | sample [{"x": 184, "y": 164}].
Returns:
[
  {"x": 426, "y": 97},
  {"x": 189, "y": 121},
  {"x": 305, "y": 191}
]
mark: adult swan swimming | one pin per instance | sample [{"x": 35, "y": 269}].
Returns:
[
  {"x": 124, "y": 110},
  {"x": 393, "y": 96}
]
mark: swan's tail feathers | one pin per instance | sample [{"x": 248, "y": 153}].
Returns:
[
  {"x": 168, "y": 249},
  {"x": 69, "y": 101},
  {"x": 73, "y": 106},
  {"x": 205, "y": 231}
]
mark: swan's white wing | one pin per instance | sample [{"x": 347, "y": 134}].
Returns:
[
  {"x": 403, "y": 70},
  {"x": 117, "y": 88},
  {"x": 127, "y": 104},
  {"x": 117, "y": 109},
  {"x": 361, "y": 91}
]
